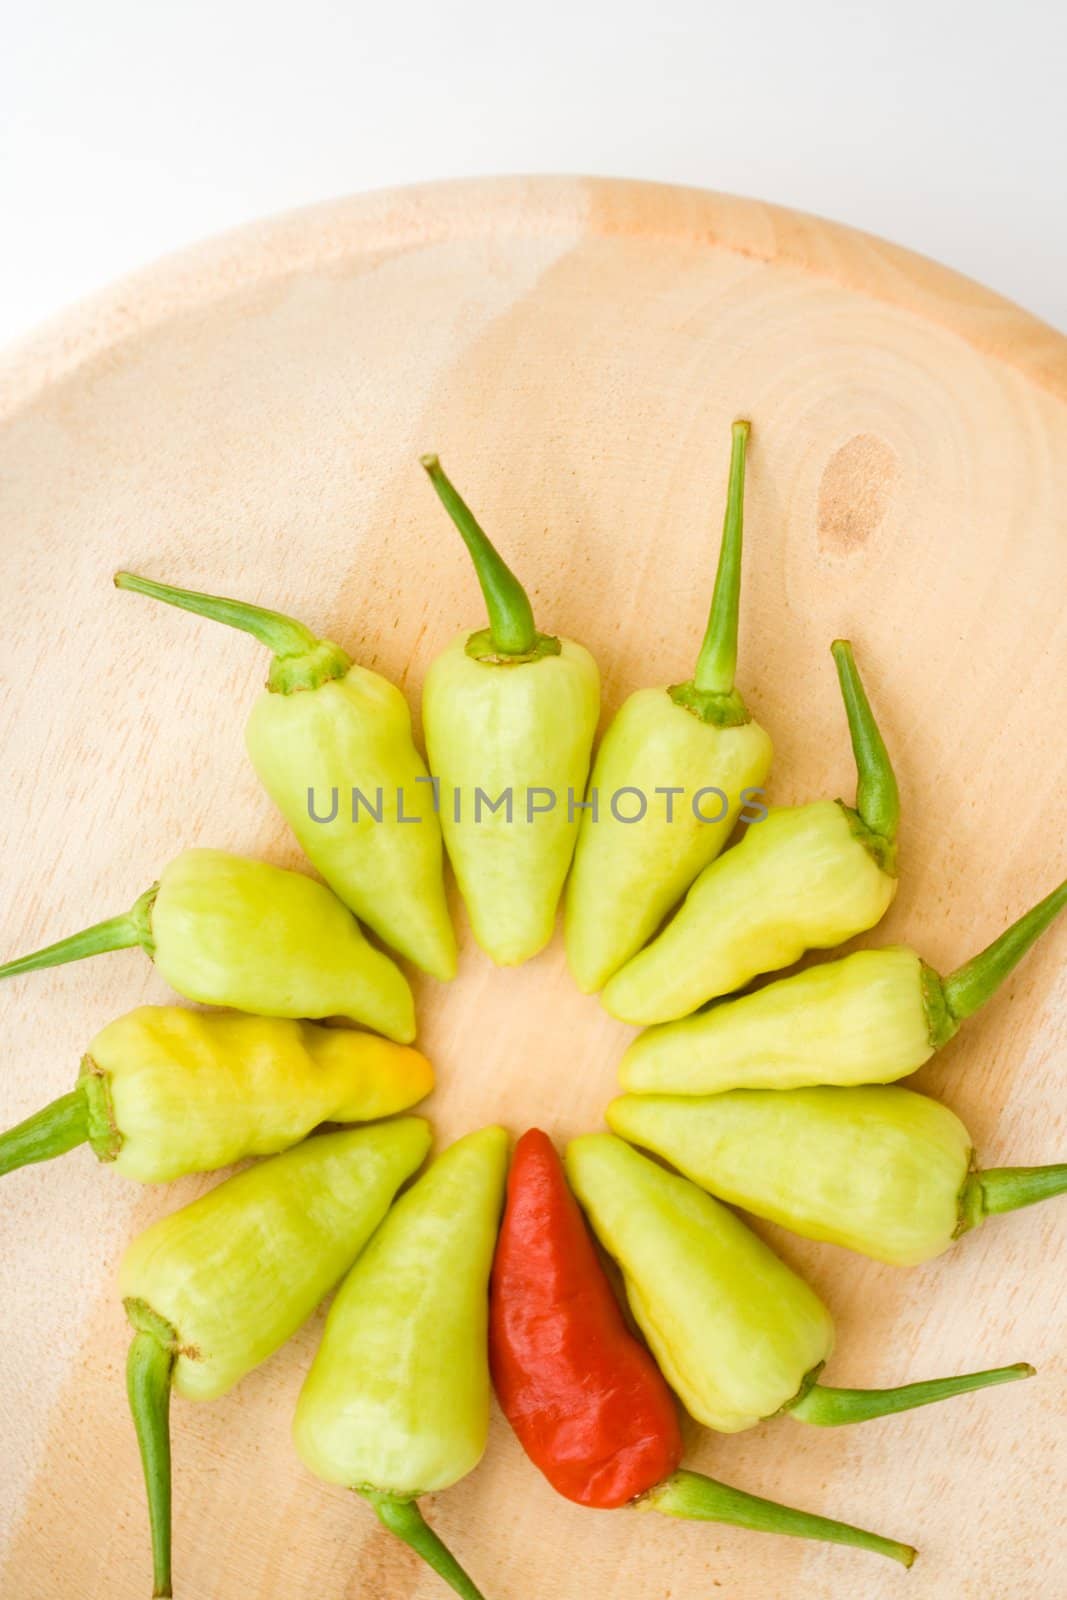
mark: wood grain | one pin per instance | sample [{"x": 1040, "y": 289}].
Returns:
[{"x": 248, "y": 418}]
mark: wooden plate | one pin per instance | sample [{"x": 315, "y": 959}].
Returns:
[{"x": 248, "y": 418}]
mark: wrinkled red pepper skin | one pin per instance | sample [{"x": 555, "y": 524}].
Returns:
[{"x": 583, "y": 1395}]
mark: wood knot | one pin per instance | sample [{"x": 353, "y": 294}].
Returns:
[{"x": 855, "y": 491}]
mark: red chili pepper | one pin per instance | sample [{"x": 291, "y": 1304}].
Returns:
[{"x": 586, "y": 1399}]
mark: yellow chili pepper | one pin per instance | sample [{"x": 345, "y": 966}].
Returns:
[
  {"x": 227, "y": 931},
  {"x": 879, "y": 1169},
  {"x": 332, "y": 744},
  {"x": 871, "y": 1017},
  {"x": 164, "y": 1091},
  {"x": 397, "y": 1401},
  {"x": 807, "y": 877},
  {"x": 737, "y": 1334},
  {"x": 693, "y": 757},
  {"x": 217, "y": 1287},
  {"x": 510, "y": 715}
]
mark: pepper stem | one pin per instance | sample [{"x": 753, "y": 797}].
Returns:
[
  {"x": 971, "y": 985},
  {"x": 404, "y": 1518},
  {"x": 877, "y": 796},
  {"x": 283, "y": 636},
  {"x": 832, "y": 1408},
  {"x": 117, "y": 933},
  {"x": 511, "y": 622},
  {"x": 148, "y": 1373},
  {"x": 288, "y": 640},
  {"x": 700, "y": 1499},
  {"x": 50, "y": 1132},
  {"x": 990, "y": 1194},
  {"x": 717, "y": 662}
]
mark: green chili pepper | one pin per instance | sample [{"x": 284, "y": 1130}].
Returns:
[
  {"x": 736, "y": 1333},
  {"x": 164, "y": 1091},
  {"x": 332, "y": 744},
  {"x": 397, "y": 1401},
  {"x": 871, "y": 1017},
  {"x": 880, "y": 1169},
  {"x": 510, "y": 715},
  {"x": 217, "y": 1287},
  {"x": 805, "y": 878},
  {"x": 227, "y": 931},
  {"x": 696, "y": 748}
]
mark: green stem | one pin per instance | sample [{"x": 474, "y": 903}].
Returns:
[
  {"x": 511, "y": 623},
  {"x": 717, "y": 662},
  {"x": 117, "y": 933},
  {"x": 971, "y": 985},
  {"x": 404, "y": 1518},
  {"x": 148, "y": 1374},
  {"x": 941, "y": 1022},
  {"x": 990, "y": 1194},
  {"x": 50, "y": 1132},
  {"x": 283, "y": 636},
  {"x": 877, "y": 796},
  {"x": 831, "y": 1408},
  {"x": 301, "y": 661},
  {"x": 700, "y": 1499},
  {"x": 710, "y": 694}
]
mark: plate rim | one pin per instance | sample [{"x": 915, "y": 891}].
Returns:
[{"x": 282, "y": 245}]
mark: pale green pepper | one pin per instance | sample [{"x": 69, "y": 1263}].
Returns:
[
  {"x": 871, "y": 1017},
  {"x": 510, "y": 715},
  {"x": 228, "y": 931},
  {"x": 807, "y": 877},
  {"x": 693, "y": 757},
  {"x": 164, "y": 1091},
  {"x": 879, "y": 1169},
  {"x": 217, "y": 1287},
  {"x": 737, "y": 1335},
  {"x": 332, "y": 744},
  {"x": 397, "y": 1401}
]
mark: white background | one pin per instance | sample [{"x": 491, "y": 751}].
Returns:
[{"x": 132, "y": 127}]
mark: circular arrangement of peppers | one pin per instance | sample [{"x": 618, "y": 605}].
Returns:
[{"x": 783, "y": 1102}]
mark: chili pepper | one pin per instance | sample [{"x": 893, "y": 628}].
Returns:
[
  {"x": 881, "y": 1169},
  {"x": 737, "y": 1334},
  {"x": 806, "y": 877},
  {"x": 871, "y": 1017},
  {"x": 214, "y": 1289},
  {"x": 163, "y": 1091},
  {"x": 510, "y": 715},
  {"x": 695, "y": 740},
  {"x": 397, "y": 1400},
  {"x": 585, "y": 1398},
  {"x": 227, "y": 931},
  {"x": 331, "y": 742}
]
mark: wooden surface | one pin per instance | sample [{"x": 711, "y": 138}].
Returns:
[{"x": 248, "y": 419}]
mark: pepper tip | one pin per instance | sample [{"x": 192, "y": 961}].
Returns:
[{"x": 430, "y": 461}]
